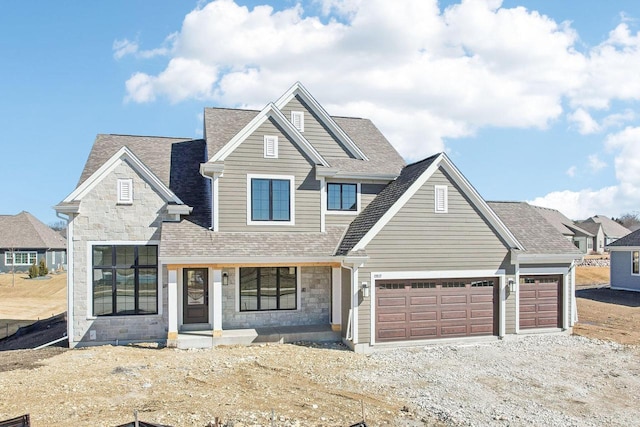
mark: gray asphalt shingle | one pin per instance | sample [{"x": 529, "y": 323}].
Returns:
[{"x": 27, "y": 232}]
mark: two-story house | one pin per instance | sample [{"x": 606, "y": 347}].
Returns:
[{"x": 288, "y": 221}]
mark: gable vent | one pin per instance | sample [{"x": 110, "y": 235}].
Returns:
[
  {"x": 441, "y": 202},
  {"x": 125, "y": 191},
  {"x": 270, "y": 146},
  {"x": 297, "y": 119}
]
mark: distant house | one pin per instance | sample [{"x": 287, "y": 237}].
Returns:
[
  {"x": 25, "y": 240},
  {"x": 625, "y": 262},
  {"x": 581, "y": 237},
  {"x": 612, "y": 231},
  {"x": 598, "y": 239}
]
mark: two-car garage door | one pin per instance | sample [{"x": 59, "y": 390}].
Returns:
[{"x": 413, "y": 309}]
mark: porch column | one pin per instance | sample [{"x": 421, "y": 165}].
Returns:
[
  {"x": 336, "y": 299},
  {"x": 217, "y": 303},
  {"x": 172, "y": 297}
]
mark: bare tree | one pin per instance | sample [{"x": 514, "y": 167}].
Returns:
[
  {"x": 630, "y": 220},
  {"x": 58, "y": 225}
]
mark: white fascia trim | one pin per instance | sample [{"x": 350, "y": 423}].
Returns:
[
  {"x": 179, "y": 209},
  {"x": 292, "y": 199},
  {"x": 123, "y": 154},
  {"x": 249, "y": 260},
  {"x": 300, "y": 90},
  {"x": 623, "y": 248},
  {"x": 398, "y": 204},
  {"x": 545, "y": 258},
  {"x": 525, "y": 271},
  {"x": 67, "y": 209},
  {"x": 270, "y": 111},
  {"x": 479, "y": 202},
  {"x": 368, "y": 176},
  {"x": 430, "y": 274}
]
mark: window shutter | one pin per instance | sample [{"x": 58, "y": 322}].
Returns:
[
  {"x": 441, "y": 202},
  {"x": 270, "y": 146},
  {"x": 125, "y": 191},
  {"x": 297, "y": 118}
]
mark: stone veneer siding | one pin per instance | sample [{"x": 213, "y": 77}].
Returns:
[
  {"x": 102, "y": 219},
  {"x": 315, "y": 303}
]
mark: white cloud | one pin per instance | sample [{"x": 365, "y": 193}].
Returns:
[
  {"x": 581, "y": 204},
  {"x": 585, "y": 123},
  {"x": 595, "y": 163},
  {"x": 124, "y": 47},
  {"x": 423, "y": 74},
  {"x": 571, "y": 171}
]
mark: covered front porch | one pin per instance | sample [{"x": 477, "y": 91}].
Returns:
[{"x": 221, "y": 304}]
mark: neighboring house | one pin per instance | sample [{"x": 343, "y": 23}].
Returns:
[
  {"x": 598, "y": 239},
  {"x": 288, "y": 220},
  {"x": 580, "y": 237},
  {"x": 625, "y": 262},
  {"x": 25, "y": 240},
  {"x": 611, "y": 230}
]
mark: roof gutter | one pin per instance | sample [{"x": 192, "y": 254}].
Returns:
[
  {"x": 524, "y": 258},
  {"x": 335, "y": 173}
]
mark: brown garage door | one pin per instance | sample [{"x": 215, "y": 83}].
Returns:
[
  {"x": 540, "y": 302},
  {"x": 416, "y": 309}
]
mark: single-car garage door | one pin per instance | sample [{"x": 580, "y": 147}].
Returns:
[
  {"x": 413, "y": 309},
  {"x": 540, "y": 302}
]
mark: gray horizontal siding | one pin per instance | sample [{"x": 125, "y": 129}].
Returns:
[
  {"x": 418, "y": 239},
  {"x": 621, "y": 276},
  {"x": 315, "y": 132},
  {"x": 248, "y": 158}
]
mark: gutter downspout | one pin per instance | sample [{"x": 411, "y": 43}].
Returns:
[
  {"x": 349, "y": 335},
  {"x": 70, "y": 266}
]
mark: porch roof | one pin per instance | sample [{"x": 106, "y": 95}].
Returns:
[{"x": 186, "y": 239}]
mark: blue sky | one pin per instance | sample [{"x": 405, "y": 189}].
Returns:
[{"x": 533, "y": 100}]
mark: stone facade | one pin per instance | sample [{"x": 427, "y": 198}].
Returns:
[
  {"x": 315, "y": 303},
  {"x": 102, "y": 219}
]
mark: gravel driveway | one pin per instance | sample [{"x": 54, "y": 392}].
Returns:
[{"x": 557, "y": 380}]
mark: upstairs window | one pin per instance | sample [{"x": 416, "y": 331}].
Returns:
[
  {"x": 297, "y": 118},
  {"x": 342, "y": 197},
  {"x": 125, "y": 191},
  {"x": 270, "y": 199},
  {"x": 270, "y": 147},
  {"x": 441, "y": 199}
]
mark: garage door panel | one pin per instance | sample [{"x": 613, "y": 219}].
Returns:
[
  {"x": 392, "y": 317},
  {"x": 453, "y": 330},
  {"x": 486, "y": 298},
  {"x": 482, "y": 329},
  {"x": 392, "y": 302},
  {"x": 425, "y": 315},
  {"x": 482, "y": 314},
  {"x": 423, "y": 300},
  {"x": 392, "y": 334},
  {"x": 453, "y": 299},
  {"x": 540, "y": 302},
  {"x": 424, "y": 333}
]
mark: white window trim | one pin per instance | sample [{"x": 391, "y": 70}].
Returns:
[
  {"x": 89, "y": 307},
  {"x": 8, "y": 259},
  {"x": 445, "y": 195},
  {"x": 632, "y": 273},
  {"x": 270, "y": 312},
  {"x": 266, "y": 139},
  {"x": 292, "y": 200},
  {"x": 337, "y": 212},
  {"x": 122, "y": 183},
  {"x": 293, "y": 121}
]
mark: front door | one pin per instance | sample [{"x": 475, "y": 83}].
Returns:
[{"x": 196, "y": 295}]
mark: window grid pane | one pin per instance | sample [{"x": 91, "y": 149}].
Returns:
[
  {"x": 270, "y": 199},
  {"x": 342, "y": 197},
  {"x": 260, "y": 199},
  {"x": 268, "y": 288}
]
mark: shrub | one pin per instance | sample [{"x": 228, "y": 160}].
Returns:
[
  {"x": 34, "y": 271},
  {"x": 42, "y": 269}
]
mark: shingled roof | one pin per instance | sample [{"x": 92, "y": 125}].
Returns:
[
  {"x": 222, "y": 124},
  {"x": 24, "y": 231},
  {"x": 563, "y": 224},
  {"x": 381, "y": 204},
  {"x": 533, "y": 231},
  {"x": 610, "y": 228},
  {"x": 632, "y": 239}
]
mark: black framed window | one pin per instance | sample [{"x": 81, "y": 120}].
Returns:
[
  {"x": 268, "y": 288},
  {"x": 342, "y": 197},
  {"x": 270, "y": 199},
  {"x": 125, "y": 280}
]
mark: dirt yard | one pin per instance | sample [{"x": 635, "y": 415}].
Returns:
[{"x": 325, "y": 385}]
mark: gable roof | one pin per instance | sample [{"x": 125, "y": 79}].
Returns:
[
  {"x": 299, "y": 90},
  {"x": 531, "y": 229},
  {"x": 631, "y": 240},
  {"x": 123, "y": 154},
  {"x": 563, "y": 224},
  {"x": 269, "y": 112},
  {"x": 591, "y": 227},
  {"x": 609, "y": 227},
  {"x": 24, "y": 231},
  {"x": 391, "y": 199}
]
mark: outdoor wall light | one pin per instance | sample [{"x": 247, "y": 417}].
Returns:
[
  {"x": 512, "y": 285},
  {"x": 225, "y": 278},
  {"x": 365, "y": 289}
]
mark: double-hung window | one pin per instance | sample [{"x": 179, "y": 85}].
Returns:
[
  {"x": 635, "y": 262},
  {"x": 342, "y": 197},
  {"x": 268, "y": 288},
  {"x": 270, "y": 199},
  {"x": 125, "y": 280}
]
